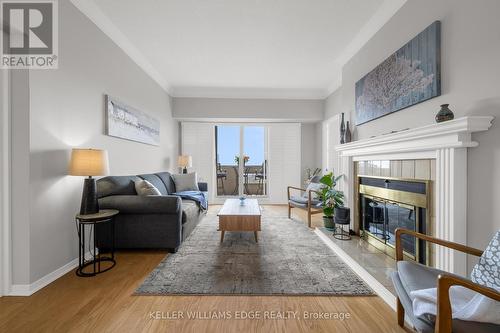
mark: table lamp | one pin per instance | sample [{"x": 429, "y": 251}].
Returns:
[
  {"x": 89, "y": 162},
  {"x": 184, "y": 162}
]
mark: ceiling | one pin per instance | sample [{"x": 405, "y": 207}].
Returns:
[{"x": 241, "y": 48}]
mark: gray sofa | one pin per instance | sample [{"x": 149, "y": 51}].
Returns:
[{"x": 146, "y": 222}]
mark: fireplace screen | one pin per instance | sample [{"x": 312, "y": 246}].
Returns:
[{"x": 387, "y": 204}]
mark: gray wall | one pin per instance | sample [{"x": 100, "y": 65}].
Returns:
[
  {"x": 470, "y": 72},
  {"x": 295, "y": 110},
  {"x": 20, "y": 162},
  {"x": 67, "y": 110}
]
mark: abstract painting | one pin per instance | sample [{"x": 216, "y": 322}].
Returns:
[
  {"x": 123, "y": 121},
  {"x": 409, "y": 76}
]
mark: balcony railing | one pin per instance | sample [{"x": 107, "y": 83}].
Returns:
[{"x": 254, "y": 180}]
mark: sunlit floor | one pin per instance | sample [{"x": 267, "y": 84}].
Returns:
[{"x": 105, "y": 304}]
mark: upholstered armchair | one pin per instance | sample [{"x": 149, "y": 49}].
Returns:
[
  {"x": 307, "y": 200},
  {"x": 411, "y": 276}
]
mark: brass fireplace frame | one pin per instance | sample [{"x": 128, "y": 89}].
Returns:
[{"x": 405, "y": 199}]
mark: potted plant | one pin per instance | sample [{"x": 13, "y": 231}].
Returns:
[{"x": 331, "y": 198}]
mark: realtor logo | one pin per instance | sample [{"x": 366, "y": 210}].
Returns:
[{"x": 29, "y": 38}]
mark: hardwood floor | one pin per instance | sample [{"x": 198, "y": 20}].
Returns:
[{"x": 105, "y": 304}]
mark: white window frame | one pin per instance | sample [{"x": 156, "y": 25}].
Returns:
[{"x": 241, "y": 166}]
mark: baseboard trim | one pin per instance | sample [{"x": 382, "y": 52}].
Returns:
[
  {"x": 30, "y": 289},
  {"x": 382, "y": 291}
]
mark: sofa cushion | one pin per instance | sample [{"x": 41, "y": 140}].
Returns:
[
  {"x": 167, "y": 180},
  {"x": 156, "y": 181},
  {"x": 143, "y": 188},
  {"x": 186, "y": 182},
  {"x": 190, "y": 210},
  {"x": 116, "y": 185},
  {"x": 487, "y": 271}
]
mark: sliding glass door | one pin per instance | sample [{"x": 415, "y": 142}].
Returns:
[{"x": 241, "y": 160}]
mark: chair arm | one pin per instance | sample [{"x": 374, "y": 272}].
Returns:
[
  {"x": 135, "y": 204},
  {"x": 445, "y": 281},
  {"x": 451, "y": 245},
  {"x": 293, "y": 188}
]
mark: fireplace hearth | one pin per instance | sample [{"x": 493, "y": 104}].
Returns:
[{"x": 388, "y": 203}]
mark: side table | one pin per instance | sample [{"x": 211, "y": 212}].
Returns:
[{"x": 105, "y": 216}]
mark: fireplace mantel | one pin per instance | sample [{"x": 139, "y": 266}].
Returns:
[
  {"x": 427, "y": 139},
  {"x": 445, "y": 142}
]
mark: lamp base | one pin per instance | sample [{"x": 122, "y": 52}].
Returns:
[
  {"x": 89, "y": 197},
  {"x": 184, "y": 170}
]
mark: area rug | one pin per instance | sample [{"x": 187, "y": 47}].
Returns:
[{"x": 289, "y": 259}]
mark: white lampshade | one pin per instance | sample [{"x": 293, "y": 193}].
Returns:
[
  {"x": 89, "y": 162},
  {"x": 185, "y": 161}
]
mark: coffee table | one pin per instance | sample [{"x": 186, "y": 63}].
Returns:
[{"x": 236, "y": 217}]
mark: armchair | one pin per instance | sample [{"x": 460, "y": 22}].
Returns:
[
  {"x": 412, "y": 276},
  {"x": 308, "y": 203}
]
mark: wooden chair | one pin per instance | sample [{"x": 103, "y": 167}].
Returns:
[
  {"x": 312, "y": 206},
  {"x": 443, "y": 281}
]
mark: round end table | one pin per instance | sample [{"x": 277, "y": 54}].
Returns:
[{"x": 105, "y": 216}]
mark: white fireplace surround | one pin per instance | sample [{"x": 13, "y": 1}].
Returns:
[{"x": 445, "y": 142}]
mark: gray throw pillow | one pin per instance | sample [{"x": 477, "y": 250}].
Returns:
[
  {"x": 144, "y": 188},
  {"x": 487, "y": 270},
  {"x": 186, "y": 182},
  {"x": 314, "y": 187}
]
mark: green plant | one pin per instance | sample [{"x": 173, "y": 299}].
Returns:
[{"x": 330, "y": 197}]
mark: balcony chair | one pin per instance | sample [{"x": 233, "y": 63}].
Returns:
[
  {"x": 411, "y": 276},
  {"x": 221, "y": 176},
  {"x": 307, "y": 201}
]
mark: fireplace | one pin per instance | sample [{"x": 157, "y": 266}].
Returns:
[{"x": 387, "y": 203}]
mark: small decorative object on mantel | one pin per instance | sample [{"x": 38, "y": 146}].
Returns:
[
  {"x": 347, "y": 134},
  {"x": 342, "y": 130},
  {"x": 444, "y": 114}
]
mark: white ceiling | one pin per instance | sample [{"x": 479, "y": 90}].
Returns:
[{"x": 241, "y": 48}]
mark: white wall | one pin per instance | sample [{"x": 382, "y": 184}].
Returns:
[
  {"x": 215, "y": 109},
  {"x": 67, "y": 110},
  {"x": 309, "y": 155},
  {"x": 470, "y": 72}
]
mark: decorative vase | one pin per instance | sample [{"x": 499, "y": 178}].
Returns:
[
  {"x": 342, "y": 130},
  {"x": 328, "y": 222},
  {"x": 242, "y": 201},
  {"x": 347, "y": 135},
  {"x": 444, "y": 114}
]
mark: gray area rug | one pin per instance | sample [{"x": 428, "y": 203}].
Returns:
[{"x": 288, "y": 260}]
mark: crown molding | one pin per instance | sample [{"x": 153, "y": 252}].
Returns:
[
  {"x": 249, "y": 93},
  {"x": 367, "y": 31},
  {"x": 94, "y": 14}
]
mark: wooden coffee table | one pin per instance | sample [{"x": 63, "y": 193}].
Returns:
[{"x": 236, "y": 217}]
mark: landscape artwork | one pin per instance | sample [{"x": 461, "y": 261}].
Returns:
[
  {"x": 128, "y": 123},
  {"x": 409, "y": 76}
]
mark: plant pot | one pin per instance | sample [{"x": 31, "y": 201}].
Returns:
[{"x": 328, "y": 222}]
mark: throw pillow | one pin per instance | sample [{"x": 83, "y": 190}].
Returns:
[
  {"x": 487, "y": 270},
  {"x": 143, "y": 188},
  {"x": 314, "y": 187},
  {"x": 186, "y": 182}
]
